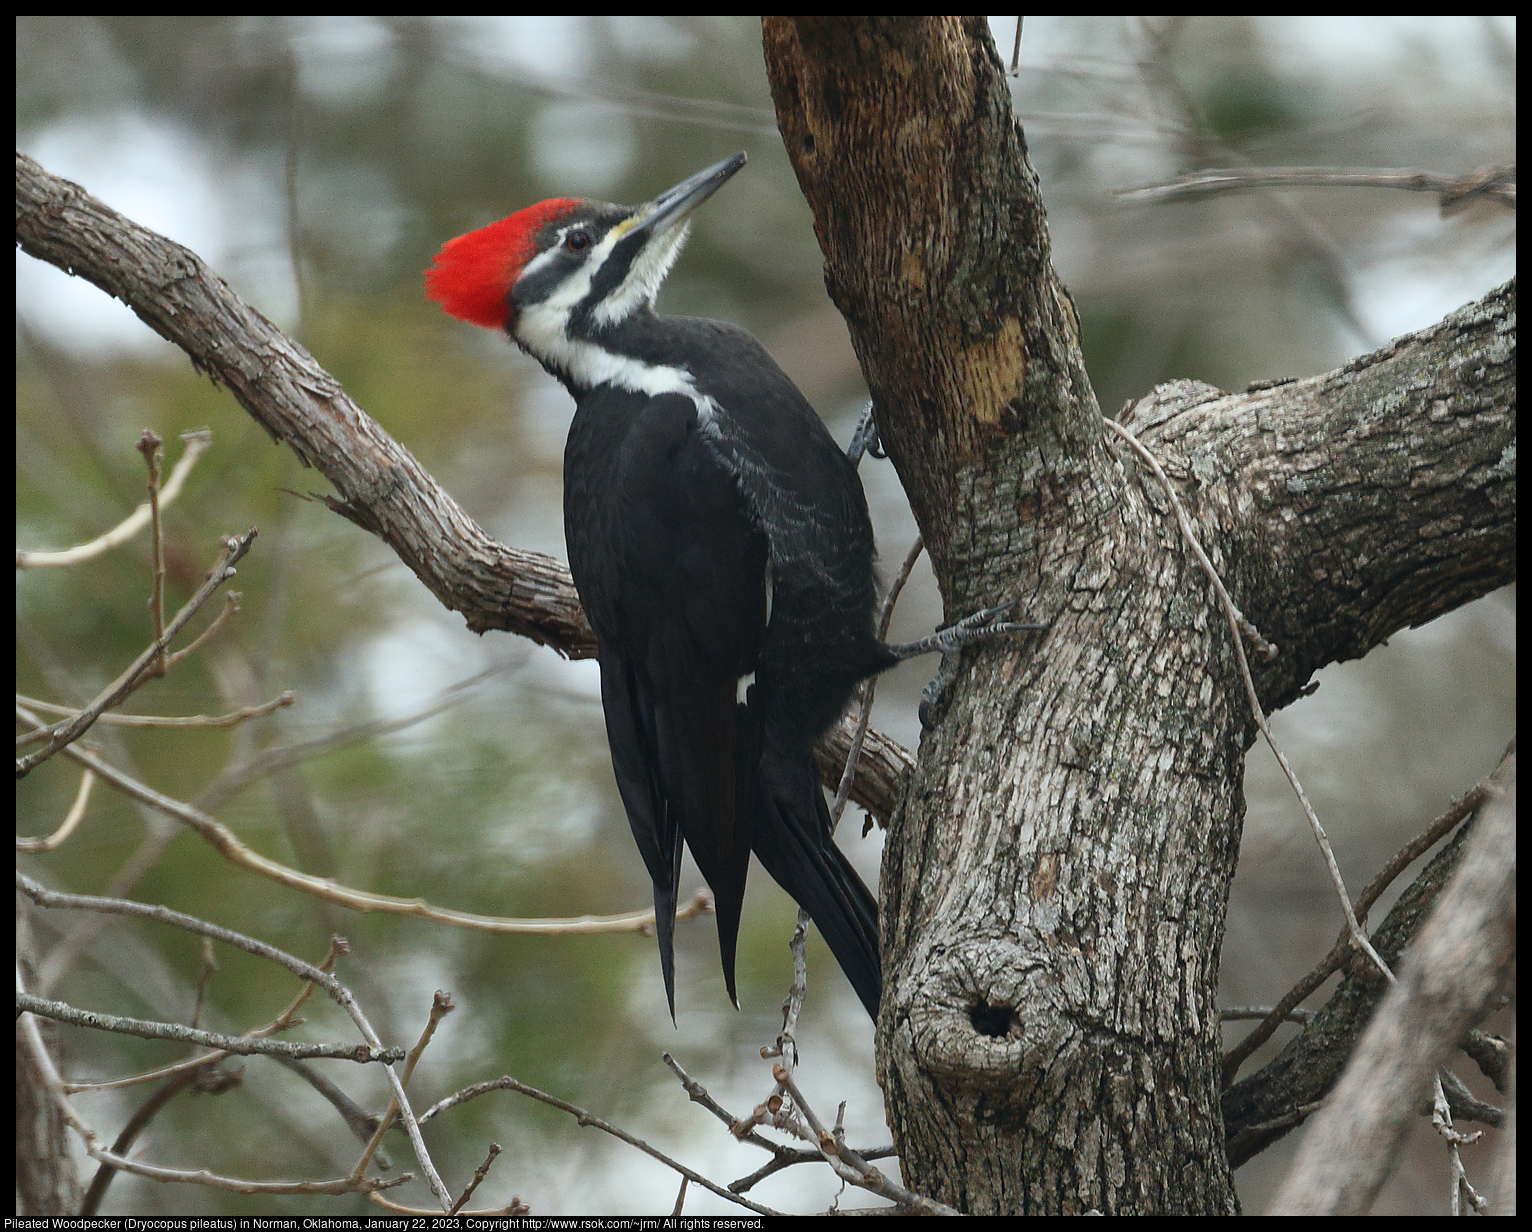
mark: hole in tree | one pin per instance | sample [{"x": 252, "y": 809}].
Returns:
[{"x": 992, "y": 1020}]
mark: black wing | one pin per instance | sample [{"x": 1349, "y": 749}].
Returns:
[{"x": 673, "y": 575}]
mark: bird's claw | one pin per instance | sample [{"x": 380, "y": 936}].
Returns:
[
  {"x": 865, "y": 439},
  {"x": 978, "y": 626}
]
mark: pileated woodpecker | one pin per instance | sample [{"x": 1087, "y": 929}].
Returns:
[{"x": 720, "y": 543}]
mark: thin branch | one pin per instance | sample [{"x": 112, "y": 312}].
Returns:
[
  {"x": 507, "y": 1083},
  {"x": 231, "y": 602},
  {"x": 790, "y": 1156},
  {"x": 1459, "y": 810},
  {"x": 196, "y": 444},
  {"x": 284, "y": 1021},
  {"x": 146, "y": 911},
  {"x": 361, "y": 1122},
  {"x": 63, "y": 733},
  {"x": 232, "y": 849},
  {"x": 786, "y": 1045},
  {"x": 72, "y": 818},
  {"x": 847, "y": 1163},
  {"x": 1201, "y": 144},
  {"x": 338, "y": 991},
  {"x": 233, "y": 719},
  {"x": 61, "y": 1012},
  {"x": 1495, "y": 182},
  {"x": 123, "y": 1143},
  {"x": 1449, "y": 975},
  {"x": 514, "y": 1207},
  {"x": 33, "y": 1042},
  {"x": 1236, "y": 1013},
  {"x": 149, "y": 445},
  {"x": 441, "y": 1006},
  {"x": 743, "y": 1131},
  {"x": 483, "y": 1170},
  {"x": 864, "y": 706}
]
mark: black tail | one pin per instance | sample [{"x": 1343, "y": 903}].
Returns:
[{"x": 792, "y": 840}]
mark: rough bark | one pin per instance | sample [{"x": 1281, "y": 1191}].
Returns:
[{"x": 1055, "y": 882}]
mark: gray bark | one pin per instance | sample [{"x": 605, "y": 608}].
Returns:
[{"x": 1055, "y": 881}]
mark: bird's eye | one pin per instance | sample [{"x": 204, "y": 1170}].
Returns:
[{"x": 577, "y": 241}]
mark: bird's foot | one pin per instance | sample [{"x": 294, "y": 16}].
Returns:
[
  {"x": 979, "y": 627},
  {"x": 865, "y": 439}
]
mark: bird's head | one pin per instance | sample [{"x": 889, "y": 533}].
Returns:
[{"x": 566, "y": 269}]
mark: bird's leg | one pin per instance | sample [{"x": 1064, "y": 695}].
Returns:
[
  {"x": 979, "y": 627},
  {"x": 865, "y": 439}
]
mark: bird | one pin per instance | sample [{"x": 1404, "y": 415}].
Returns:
[{"x": 721, "y": 546}]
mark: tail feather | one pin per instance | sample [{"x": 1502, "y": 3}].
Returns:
[
  {"x": 631, "y": 732},
  {"x": 792, "y": 840}
]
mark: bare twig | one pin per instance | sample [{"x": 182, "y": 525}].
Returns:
[
  {"x": 1336, "y": 958},
  {"x": 441, "y": 1006},
  {"x": 1493, "y": 182},
  {"x": 232, "y": 849},
  {"x": 146, "y": 1029},
  {"x": 338, "y": 991},
  {"x": 507, "y": 1083},
  {"x": 196, "y": 444},
  {"x": 743, "y": 1130},
  {"x": 63, "y": 733},
  {"x": 149, "y": 445},
  {"x": 142, "y": 1116},
  {"x": 786, "y": 1045},
  {"x": 849, "y": 1164},
  {"x": 359, "y": 1120},
  {"x": 231, "y": 602},
  {"x": 285, "y": 1020},
  {"x": 790, "y": 1156},
  {"x": 1236, "y": 1013},
  {"x": 205, "y": 976},
  {"x": 33, "y": 1042},
  {"x": 483, "y": 1170},
  {"x": 1450, "y": 973},
  {"x": 233, "y": 719},
  {"x": 514, "y": 1207},
  {"x": 72, "y": 818},
  {"x": 864, "y": 706},
  {"x": 852, "y": 1166},
  {"x": 1201, "y": 144}
]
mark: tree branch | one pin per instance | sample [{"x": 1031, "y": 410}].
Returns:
[
  {"x": 380, "y": 485},
  {"x": 1445, "y": 981}
]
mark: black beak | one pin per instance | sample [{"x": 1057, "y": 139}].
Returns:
[{"x": 674, "y": 204}]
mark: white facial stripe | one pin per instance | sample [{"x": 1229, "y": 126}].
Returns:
[
  {"x": 543, "y": 328},
  {"x": 644, "y": 276}
]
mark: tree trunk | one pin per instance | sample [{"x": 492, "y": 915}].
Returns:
[{"x": 1055, "y": 881}]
